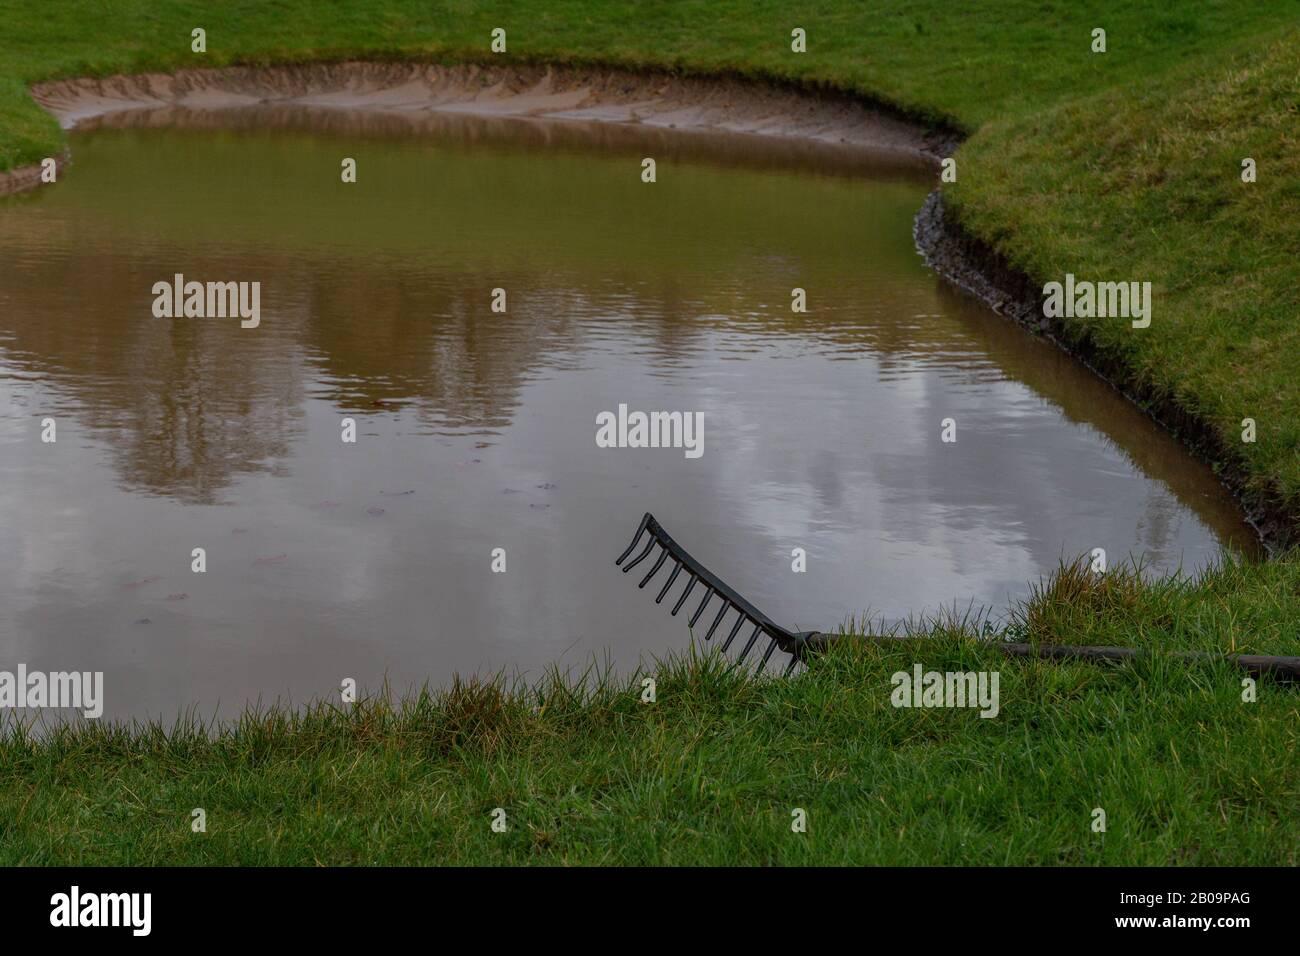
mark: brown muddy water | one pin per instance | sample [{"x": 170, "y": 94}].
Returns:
[{"x": 476, "y": 430}]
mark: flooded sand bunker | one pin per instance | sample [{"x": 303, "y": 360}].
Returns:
[
  {"x": 583, "y": 95},
  {"x": 477, "y": 430}
]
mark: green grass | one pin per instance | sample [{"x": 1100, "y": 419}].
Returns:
[
  {"x": 1117, "y": 166},
  {"x": 968, "y": 62},
  {"x": 1149, "y": 181},
  {"x": 1234, "y": 607}
]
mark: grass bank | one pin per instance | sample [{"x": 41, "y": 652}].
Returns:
[
  {"x": 1185, "y": 770},
  {"x": 1145, "y": 183}
]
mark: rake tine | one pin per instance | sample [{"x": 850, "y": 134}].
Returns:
[
  {"x": 700, "y": 610},
  {"x": 690, "y": 586},
  {"x": 718, "y": 620},
  {"x": 789, "y": 667},
  {"x": 671, "y": 578},
  {"x": 645, "y": 523},
  {"x": 663, "y": 556},
  {"x": 640, "y": 557},
  {"x": 752, "y": 638},
  {"x": 734, "y": 628},
  {"x": 768, "y": 653}
]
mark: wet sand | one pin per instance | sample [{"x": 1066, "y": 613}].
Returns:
[{"x": 601, "y": 96}]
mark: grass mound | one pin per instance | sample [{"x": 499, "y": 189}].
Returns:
[{"x": 1143, "y": 182}]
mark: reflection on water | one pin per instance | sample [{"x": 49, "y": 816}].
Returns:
[{"x": 327, "y": 560}]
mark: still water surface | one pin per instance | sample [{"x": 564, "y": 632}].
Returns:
[{"x": 477, "y": 429}]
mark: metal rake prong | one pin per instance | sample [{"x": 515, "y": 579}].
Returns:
[
  {"x": 690, "y": 586},
  {"x": 700, "y": 610},
  {"x": 654, "y": 569},
  {"x": 671, "y": 578},
  {"x": 734, "y": 628},
  {"x": 641, "y": 528},
  {"x": 752, "y": 638},
  {"x": 718, "y": 620},
  {"x": 768, "y": 653},
  {"x": 640, "y": 557}
]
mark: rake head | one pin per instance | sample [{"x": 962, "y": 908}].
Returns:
[{"x": 747, "y": 617}]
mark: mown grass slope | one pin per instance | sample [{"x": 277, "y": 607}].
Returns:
[
  {"x": 1144, "y": 182},
  {"x": 969, "y": 62}
]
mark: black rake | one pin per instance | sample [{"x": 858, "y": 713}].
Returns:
[
  {"x": 793, "y": 643},
  {"x": 799, "y": 644}
]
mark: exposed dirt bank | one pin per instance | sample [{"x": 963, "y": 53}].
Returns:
[
  {"x": 721, "y": 104},
  {"x": 660, "y": 101},
  {"x": 27, "y": 177},
  {"x": 653, "y": 100}
]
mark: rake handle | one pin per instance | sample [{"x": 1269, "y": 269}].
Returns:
[{"x": 1257, "y": 665}]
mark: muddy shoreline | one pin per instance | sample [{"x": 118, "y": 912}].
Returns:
[
  {"x": 725, "y": 104},
  {"x": 974, "y": 267}
]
